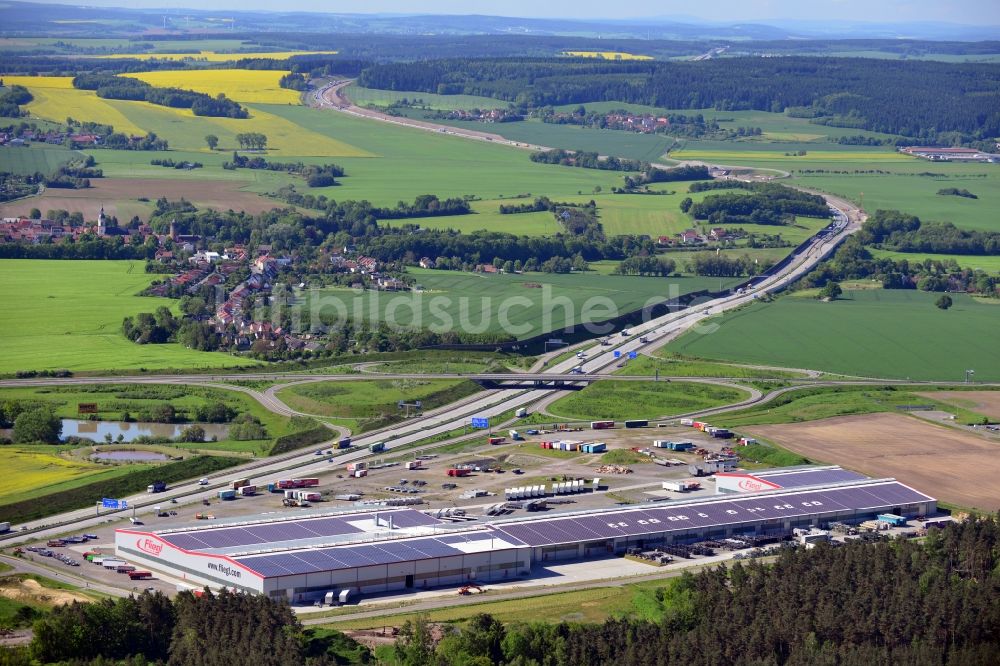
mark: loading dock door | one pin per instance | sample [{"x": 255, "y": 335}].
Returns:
[{"x": 409, "y": 581}]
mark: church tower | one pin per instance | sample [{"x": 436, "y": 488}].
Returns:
[{"x": 102, "y": 223}]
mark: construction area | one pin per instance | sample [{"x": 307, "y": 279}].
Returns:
[{"x": 959, "y": 467}]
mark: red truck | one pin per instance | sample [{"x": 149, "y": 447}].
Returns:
[
  {"x": 454, "y": 471},
  {"x": 140, "y": 575}
]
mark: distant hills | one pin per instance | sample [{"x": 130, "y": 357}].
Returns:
[{"x": 27, "y": 18}]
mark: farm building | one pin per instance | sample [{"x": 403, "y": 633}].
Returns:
[
  {"x": 776, "y": 479},
  {"x": 302, "y": 558}
]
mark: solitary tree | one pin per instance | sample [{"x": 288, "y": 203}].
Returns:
[
  {"x": 944, "y": 301},
  {"x": 831, "y": 291},
  {"x": 212, "y": 141}
]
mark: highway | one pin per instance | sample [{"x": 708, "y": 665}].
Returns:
[{"x": 487, "y": 404}]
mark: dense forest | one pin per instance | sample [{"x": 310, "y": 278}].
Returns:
[
  {"x": 892, "y": 230},
  {"x": 756, "y": 203},
  {"x": 918, "y": 99},
  {"x": 898, "y": 602}
]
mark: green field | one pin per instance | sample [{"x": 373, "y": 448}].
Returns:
[
  {"x": 479, "y": 303},
  {"x": 487, "y": 216},
  {"x": 872, "y": 333},
  {"x": 364, "y": 403},
  {"x": 68, "y": 314},
  {"x": 671, "y": 365},
  {"x": 35, "y": 159},
  {"x": 39, "y": 470},
  {"x": 988, "y": 263},
  {"x": 637, "y": 400}
]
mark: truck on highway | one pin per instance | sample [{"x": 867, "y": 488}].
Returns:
[
  {"x": 643, "y": 338},
  {"x": 344, "y": 443},
  {"x": 4, "y": 527},
  {"x": 377, "y": 447},
  {"x": 156, "y": 487}
]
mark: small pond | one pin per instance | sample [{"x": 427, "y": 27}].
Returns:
[{"x": 130, "y": 456}]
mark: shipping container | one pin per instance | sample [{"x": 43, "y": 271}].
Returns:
[
  {"x": 227, "y": 494},
  {"x": 140, "y": 575},
  {"x": 892, "y": 519},
  {"x": 247, "y": 491},
  {"x": 687, "y": 422},
  {"x": 515, "y": 435},
  {"x": 236, "y": 484},
  {"x": 661, "y": 443},
  {"x": 360, "y": 473},
  {"x": 596, "y": 447},
  {"x": 414, "y": 464},
  {"x": 454, "y": 471},
  {"x": 722, "y": 433},
  {"x": 636, "y": 423},
  {"x": 601, "y": 425}
]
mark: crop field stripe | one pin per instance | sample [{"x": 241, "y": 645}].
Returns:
[
  {"x": 251, "y": 86},
  {"x": 212, "y": 56}
]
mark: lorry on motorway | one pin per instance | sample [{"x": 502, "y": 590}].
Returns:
[
  {"x": 4, "y": 527},
  {"x": 156, "y": 487},
  {"x": 344, "y": 443},
  {"x": 377, "y": 447},
  {"x": 643, "y": 338}
]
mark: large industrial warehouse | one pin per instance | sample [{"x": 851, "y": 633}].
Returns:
[{"x": 302, "y": 558}]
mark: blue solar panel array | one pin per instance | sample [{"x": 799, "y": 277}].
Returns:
[
  {"x": 810, "y": 477},
  {"x": 290, "y": 530},
  {"x": 636, "y": 522},
  {"x": 588, "y": 527}
]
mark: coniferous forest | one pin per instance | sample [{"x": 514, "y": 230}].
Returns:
[{"x": 929, "y": 602}]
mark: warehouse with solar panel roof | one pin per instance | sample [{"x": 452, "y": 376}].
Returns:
[{"x": 306, "y": 557}]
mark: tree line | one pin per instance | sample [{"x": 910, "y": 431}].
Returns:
[
  {"x": 122, "y": 87},
  {"x": 902, "y": 232},
  {"x": 11, "y": 100},
  {"x": 918, "y": 99},
  {"x": 900, "y": 602}
]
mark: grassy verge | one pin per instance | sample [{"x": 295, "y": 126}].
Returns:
[
  {"x": 810, "y": 404},
  {"x": 674, "y": 365},
  {"x": 636, "y": 400},
  {"x": 373, "y": 404},
  {"x": 121, "y": 486}
]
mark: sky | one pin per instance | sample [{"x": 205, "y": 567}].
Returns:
[{"x": 972, "y": 12}]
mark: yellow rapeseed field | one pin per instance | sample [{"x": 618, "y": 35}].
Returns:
[
  {"x": 252, "y": 86},
  {"x": 212, "y": 56},
  {"x": 607, "y": 55},
  {"x": 55, "y": 99},
  {"x": 25, "y": 469}
]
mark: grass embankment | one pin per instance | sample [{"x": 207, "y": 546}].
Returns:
[
  {"x": 85, "y": 495},
  {"x": 895, "y": 334},
  {"x": 68, "y": 315},
  {"x": 25, "y": 597},
  {"x": 366, "y": 405},
  {"x": 647, "y": 600},
  {"x": 673, "y": 365},
  {"x": 637, "y": 400},
  {"x": 811, "y": 404}
]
